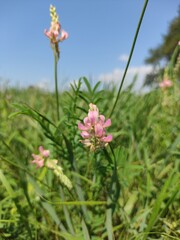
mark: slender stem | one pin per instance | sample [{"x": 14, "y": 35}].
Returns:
[
  {"x": 130, "y": 55},
  {"x": 109, "y": 224},
  {"x": 56, "y": 85},
  {"x": 110, "y": 198}
]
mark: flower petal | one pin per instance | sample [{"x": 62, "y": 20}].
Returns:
[
  {"x": 64, "y": 36},
  {"x": 87, "y": 142},
  {"x": 43, "y": 152},
  {"x": 39, "y": 163},
  {"x": 102, "y": 118},
  {"x": 107, "y": 139},
  {"x": 85, "y": 134},
  {"x": 48, "y": 34},
  {"x": 86, "y": 121},
  {"x": 107, "y": 123},
  {"x": 93, "y": 117},
  {"x": 99, "y": 130},
  {"x": 82, "y": 127}
]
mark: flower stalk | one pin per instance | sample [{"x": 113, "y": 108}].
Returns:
[
  {"x": 55, "y": 35},
  {"x": 56, "y": 85},
  {"x": 42, "y": 160}
]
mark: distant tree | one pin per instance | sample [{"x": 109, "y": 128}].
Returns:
[
  {"x": 167, "y": 51},
  {"x": 152, "y": 78},
  {"x": 169, "y": 42}
]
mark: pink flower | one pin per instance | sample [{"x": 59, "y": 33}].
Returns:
[
  {"x": 43, "y": 152},
  {"x": 165, "y": 84},
  {"x": 39, "y": 159},
  {"x": 94, "y": 129},
  {"x": 108, "y": 138},
  {"x": 55, "y": 34}
]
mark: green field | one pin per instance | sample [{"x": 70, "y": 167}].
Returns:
[{"x": 127, "y": 190}]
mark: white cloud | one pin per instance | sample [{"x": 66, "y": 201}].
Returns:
[
  {"x": 123, "y": 58},
  {"x": 116, "y": 75},
  {"x": 44, "y": 84}
]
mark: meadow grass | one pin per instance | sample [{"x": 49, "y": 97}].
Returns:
[{"x": 129, "y": 190}]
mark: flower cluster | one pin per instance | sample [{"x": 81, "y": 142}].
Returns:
[
  {"x": 94, "y": 129},
  {"x": 42, "y": 160},
  {"x": 166, "y": 83},
  {"x": 55, "y": 34}
]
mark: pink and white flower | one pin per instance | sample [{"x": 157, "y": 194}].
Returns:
[
  {"x": 94, "y": 129},
  {"x": 43, "y": 152},
  {"x": 55, "y": 34},
  {"x": 39, "y": 159},
  {"x": 166, "y": 83}
]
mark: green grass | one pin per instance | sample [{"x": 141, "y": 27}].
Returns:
[{"x": 128, "y": 191}]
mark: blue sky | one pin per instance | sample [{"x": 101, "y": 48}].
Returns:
[{"x": 100, "y": 37}]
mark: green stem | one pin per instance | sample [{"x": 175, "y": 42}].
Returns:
[
  {"x": 130, "y": 55},
  {"x": 109, "y": 224},
  {"x": 56, "y": 85},
  {"x": 113, "y": 194}
]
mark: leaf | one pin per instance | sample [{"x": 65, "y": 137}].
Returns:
[
  {"x": 51, "y": 212},
  {"x": 87, "y": 85},
  {"x": 85, "y": 230},
  {"x": 7, "y": 185},
  {"x": 96, "y": 86}
]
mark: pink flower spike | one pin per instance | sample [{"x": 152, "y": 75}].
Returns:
[
  {"x": 64, "y": 36},
  {"x": 107, "y": 139},
  {"x": 94, "y": 129}
]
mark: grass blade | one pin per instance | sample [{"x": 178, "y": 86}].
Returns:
[{"x": 157, "y": 206}]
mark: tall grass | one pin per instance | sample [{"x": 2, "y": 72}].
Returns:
[{"x": 142, "y": 189}]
